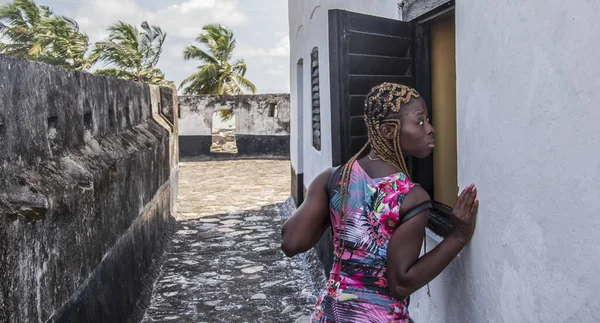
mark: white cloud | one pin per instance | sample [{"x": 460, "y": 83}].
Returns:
[
  {"x": 276, "y": 70},
  {"x": 281, "y": 49},
  {"x": 265, "y": 47},
  {"x": 174, "y": 50},
  {"x": 187, "y": 19},
  {"x": 183, "y": 20},
  {"x": 193, "y": 5},
  {"x": 95, "y": 16}
]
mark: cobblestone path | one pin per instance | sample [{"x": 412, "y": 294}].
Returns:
[{"x": 224, "y": 263}]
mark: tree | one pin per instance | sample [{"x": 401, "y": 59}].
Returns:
[
  {"x": 216, "y": 75},
  {"x": 33, "y": 32},
  {"x": 132, "y": 54}
]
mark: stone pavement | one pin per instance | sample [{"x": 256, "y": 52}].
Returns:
[{"x": 224, "y": 263}]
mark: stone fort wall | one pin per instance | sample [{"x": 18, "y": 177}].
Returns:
[{"x": 88, "y": 179}]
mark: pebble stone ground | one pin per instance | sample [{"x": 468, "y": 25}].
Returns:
[{"x": 224, "y": 262}]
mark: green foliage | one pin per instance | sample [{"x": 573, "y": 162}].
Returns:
[
  {"x": 33, "y": 32},
  {"x": 132, "y": 54},
  {"x": 216, "y": 75}
]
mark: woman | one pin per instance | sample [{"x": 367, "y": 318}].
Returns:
[{"x": 378, "y": 216}]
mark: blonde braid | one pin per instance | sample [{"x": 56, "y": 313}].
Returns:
[{"x": 381, "y": 101}]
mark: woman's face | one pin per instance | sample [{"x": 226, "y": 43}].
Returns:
[{"x": 417, "y": 136}]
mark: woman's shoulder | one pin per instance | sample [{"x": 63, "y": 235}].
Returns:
[{"x": 415, "y": 196}]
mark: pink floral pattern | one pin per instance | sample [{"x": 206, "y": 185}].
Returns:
[{"x": 358, "y": 288}]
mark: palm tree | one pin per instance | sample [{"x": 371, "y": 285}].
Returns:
[
  {"x": 19, "y": 22},
  {"x": 216, "y": 75},
  {"x": 33, "y": 32},
  {"x": 67, "y": 46},
  {"x": 132, "y": 54}
]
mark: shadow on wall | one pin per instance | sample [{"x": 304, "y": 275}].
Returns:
[{"x": 232, "y": 127}]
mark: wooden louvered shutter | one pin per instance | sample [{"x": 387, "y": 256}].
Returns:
[{"x": 363, "y": 52}]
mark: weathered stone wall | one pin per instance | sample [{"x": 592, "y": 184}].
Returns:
[
  {"x": 412, "y": 9},
  {"x": 88, "y": 171},
  {"x": 262, "y": 124}
]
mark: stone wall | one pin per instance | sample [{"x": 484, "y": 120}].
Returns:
[
  {"x": 88, "y": 170},
  {"x": 262, "y": 124}
]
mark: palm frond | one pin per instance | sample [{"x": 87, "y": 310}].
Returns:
[
  {"x": 245, "y": 83},
  {"x": 223, "y": 78},
  {"x": 133, "y": 51},
  {"x": 207, "y": 74},
  {"x": 193, "y": 52},
  {"x": 151, "y": 41},
  {"x": 115, "y": 72},
  {"x": 35, "y": 33},
  {"x": 239, "y": 67},
  {"x": 225, "y": 114}
]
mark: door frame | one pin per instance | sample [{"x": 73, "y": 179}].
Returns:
[
  {"x": 342, "y": 26},
  {"x": 422, "y": 170}
]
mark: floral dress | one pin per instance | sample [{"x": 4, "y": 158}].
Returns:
[{"x": 357, "y": 290}]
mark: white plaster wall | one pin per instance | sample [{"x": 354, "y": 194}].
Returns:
[
  {"x": 528, "y": 89},
  {"x": 251, "y": 113},
  {"x": 309, "y": 29},
  {"x": 296, "y": 115}
]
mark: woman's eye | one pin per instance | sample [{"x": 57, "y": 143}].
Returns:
[{"x": 421, "y": 123}]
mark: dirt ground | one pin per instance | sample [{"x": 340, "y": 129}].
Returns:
[{"x": 216, "y": 187}]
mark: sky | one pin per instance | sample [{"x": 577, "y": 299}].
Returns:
[{"x": 260, "y": 27}]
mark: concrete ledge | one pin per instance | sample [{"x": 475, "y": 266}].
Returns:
[
  {"x": 412, "y": 9},
  {"x": 194, "y": 146},
  {"x": 248, "y": 146},
  {"x": 257, "y": 145}
]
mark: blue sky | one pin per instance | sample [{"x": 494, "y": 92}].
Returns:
[{"x": 260, "y": 27}]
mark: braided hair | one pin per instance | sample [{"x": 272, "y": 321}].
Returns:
[{"x": 381, "y": 101}]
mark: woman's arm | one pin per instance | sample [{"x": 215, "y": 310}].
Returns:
[
  {"x": 405, "y": 270},
  {"x": 308, "y": 223}
]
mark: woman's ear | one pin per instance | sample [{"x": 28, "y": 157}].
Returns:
[{"x": 387, "y": 130}]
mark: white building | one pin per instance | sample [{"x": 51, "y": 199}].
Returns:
[{"x": 513, "y": 88}]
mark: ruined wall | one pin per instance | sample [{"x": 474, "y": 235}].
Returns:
[
  {"x": 88, "y": 169},
  {"x": 262, "y": 124}
]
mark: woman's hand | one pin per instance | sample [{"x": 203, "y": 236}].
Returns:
[
  {"x": 464, "y": 214},
  {"x": 407, "y": 272}
]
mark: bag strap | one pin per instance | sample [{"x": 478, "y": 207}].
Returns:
[
  {"x": 332, "y": 176},
  {"x": 330, "y": 180},
  {"x": 418, "y": 209}
]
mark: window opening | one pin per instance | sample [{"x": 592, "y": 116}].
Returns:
[
  {"x": 272, "y": 110},
  {"x": 443, "y": 109},
  {"x": 223, "y": 132},
  {"x": 316, "y": 99}
]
